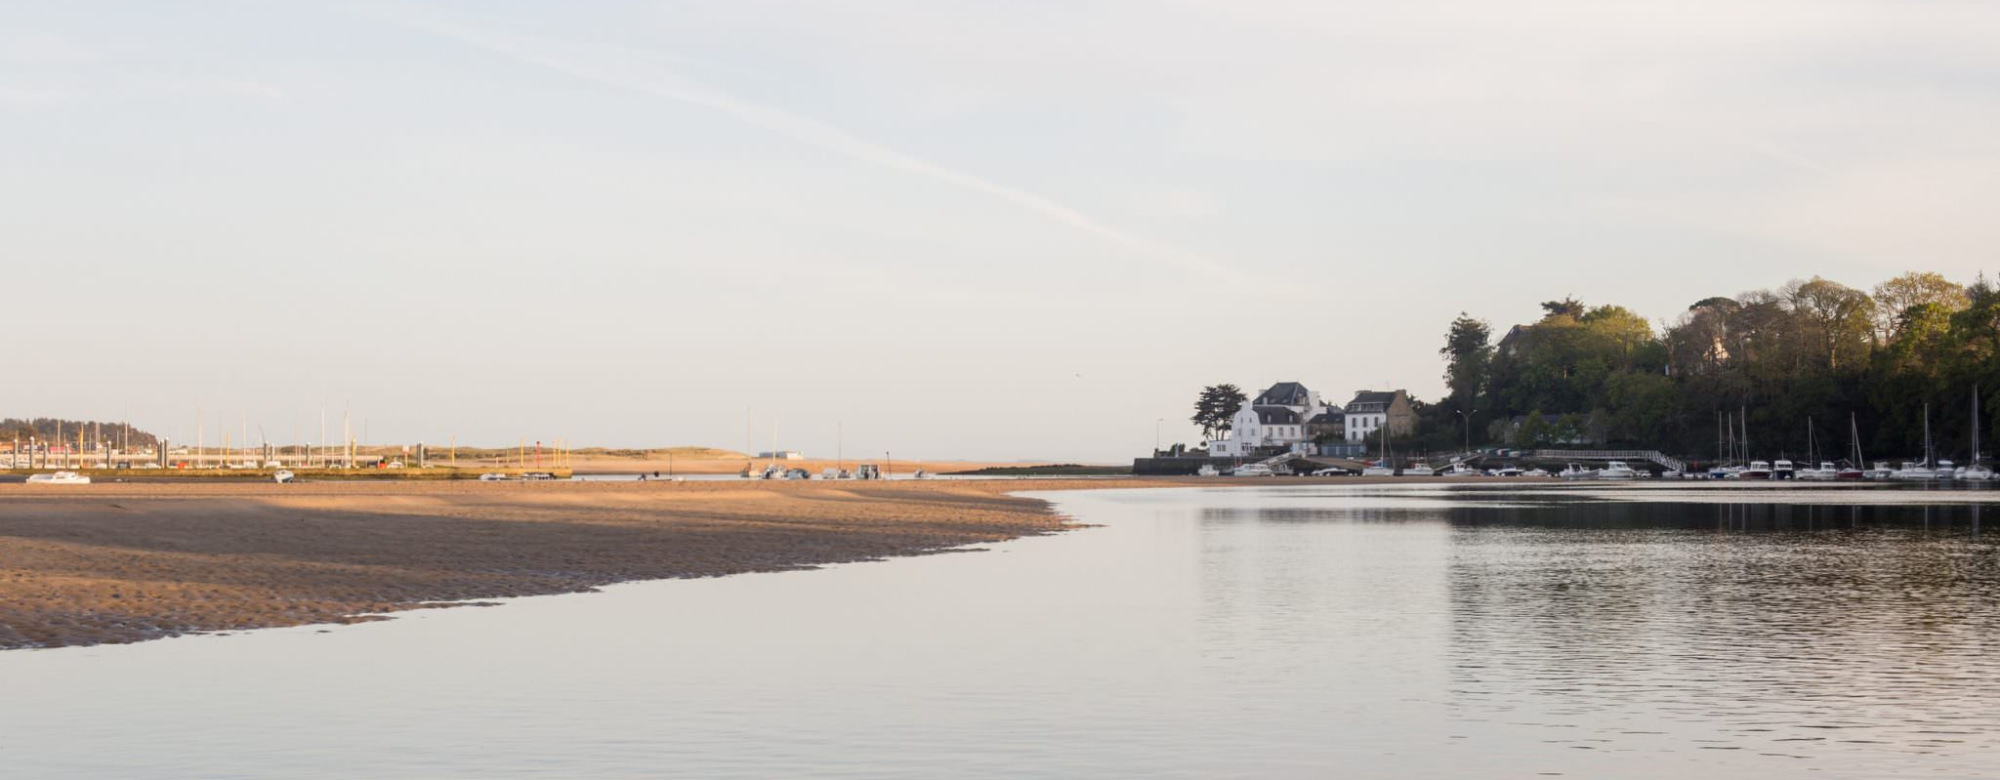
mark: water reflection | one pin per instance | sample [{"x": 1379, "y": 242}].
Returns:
[{"x": 1807, "y": 638}]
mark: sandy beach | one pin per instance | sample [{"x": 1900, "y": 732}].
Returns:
[
  {"x": 112, "y": 563},
  {"x": 655, "y": 463}
]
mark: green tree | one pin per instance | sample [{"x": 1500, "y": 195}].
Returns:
[
  {"x": 1216, "y": 408},
  {"x": 1533, "y": 433},
  {"x": 1840, "y": 318},
  {"x": 1567, "y": 307},
  {"x": 1916, "y": 288},
  {"x": 1467, "y": 352}
]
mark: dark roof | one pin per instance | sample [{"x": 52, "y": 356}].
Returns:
[
  {"x": 1372, "y": 400},
  {"x": 1276, "y": 415},
  {"x": 1283, "y": 394},
  {"x": 1332, "y": 416}
]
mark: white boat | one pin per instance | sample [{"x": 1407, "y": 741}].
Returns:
[
  {"x": 1617, "y": 470},
  {"x": 1458, "y": 469},
  {"x": 1757, "y": 470},
  {"x": 1207, "y": 470},
  {"x": 1913, "y": 472},
  {"x": 1379, "y": 469},
  {"x": 1946, "y": 470},
  {"x": 1919, "y": 471},
  {"x": 1536, "y": 473},
  {"x": 282, "y": 476},
  {"x": 1857, "y": 466},
  {"x": 1880, "y": 471},
  {"x": 1253, "y": 470},
  {"x": 493, "y": 477},
  {"x": 1784, "y": 469},
  {"x": 59, "y": 478},
  {"x": 1826, "y": 471},
  {"x": 1977, "y": 473},
  {"x": 1575, "y": 471},
  {"x": 1418, "y": 470},
  {"x": 1507, "y": 471}
]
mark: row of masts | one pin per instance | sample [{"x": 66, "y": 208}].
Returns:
[
  {"x": 1730, "y": 447},
  {"x": 89, "y": 448}
]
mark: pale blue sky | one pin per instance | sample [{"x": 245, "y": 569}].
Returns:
[{"x": 987, "y": 230}]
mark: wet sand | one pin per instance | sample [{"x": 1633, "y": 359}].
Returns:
[
  {"x": 605, "y": 464},
  {"x": 113, "y": 563}
]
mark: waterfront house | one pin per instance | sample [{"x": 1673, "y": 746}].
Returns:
[
  {"x": 1277, "y": 420},
  {"x": 1373, "y": 410}
]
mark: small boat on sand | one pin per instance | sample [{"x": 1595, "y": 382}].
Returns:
[
  {"x": 59, "y": 478},
  {"x": 1617, "y": 470}
]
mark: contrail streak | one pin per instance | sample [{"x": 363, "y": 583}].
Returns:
[{"x": 608, "y": 65}]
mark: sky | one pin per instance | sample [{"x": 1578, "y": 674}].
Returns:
[{"x": 989, "y": 230}]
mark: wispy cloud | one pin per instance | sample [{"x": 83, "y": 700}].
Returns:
[{"x": 647, "y": 74}]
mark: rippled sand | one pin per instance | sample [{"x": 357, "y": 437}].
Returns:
[{"x": 124, "y": 563}]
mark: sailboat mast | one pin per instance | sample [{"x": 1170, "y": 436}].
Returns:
[
  {"x": 1729, "y": 423},
  {"x": 1744, "y": 420},
  {"x": 1854, "y": 438}
]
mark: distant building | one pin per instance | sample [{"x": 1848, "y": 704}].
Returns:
[
  {"x": 1373, "y": 410},
  {"x": 1327, "y": 426},
  {"x": 782, "y": 455},
  {"x": 1277, "y": 419}
]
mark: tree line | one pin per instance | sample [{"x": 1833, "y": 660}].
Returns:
[
  {"x": 1812, "y": 349},
  {"x": 44, "y": 429}
]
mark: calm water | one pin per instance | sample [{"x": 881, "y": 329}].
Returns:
[{"x": 1283, "y": 632}]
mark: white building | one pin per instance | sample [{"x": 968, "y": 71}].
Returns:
[
  {"x": 1274, "y": 419},
  {"x": 1371, "y": 411}
]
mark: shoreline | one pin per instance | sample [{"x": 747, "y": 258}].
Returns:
[{"x": 116, "y": 563}]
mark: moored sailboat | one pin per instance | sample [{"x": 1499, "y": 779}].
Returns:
[{"x": 1976, "y": 471}]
